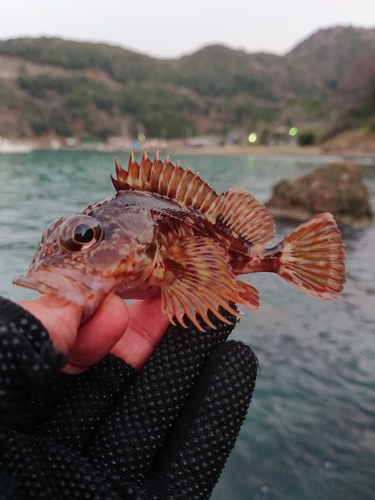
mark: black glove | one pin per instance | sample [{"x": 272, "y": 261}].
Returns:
[{"x": 164, "y": 432}]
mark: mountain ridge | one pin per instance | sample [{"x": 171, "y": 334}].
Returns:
[{"x": 214, "y": 89}]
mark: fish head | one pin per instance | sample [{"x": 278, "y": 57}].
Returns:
[{"x": 84, "y": 258}]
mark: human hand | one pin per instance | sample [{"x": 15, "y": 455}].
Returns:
[
  {"x": 114, "y": 328},
  {"x": 110, "y": 432}
]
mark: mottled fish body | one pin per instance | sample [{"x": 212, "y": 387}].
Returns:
[{"x": 166, "y": 232}]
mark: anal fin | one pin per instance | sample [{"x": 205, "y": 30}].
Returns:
[{"x": 249, "y": 295}]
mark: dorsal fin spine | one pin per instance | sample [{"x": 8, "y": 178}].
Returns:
[
  {"x": 208, "y": 200},
  {"x": 165, "y": 176},
  {"x": 173, "y": 182},
  {"x": 131, "y": 158},
  {"x": 144, "y": 172},
  {"x": 121, "y": 174},
  {"x": 133, "y": 172},
  {"x": 191, "y": 189},
  {"x": 144, "y": 157},
  {"x": 199, "y": 195},
  {"x": 181, "y": 185},
  {"x": 155, "y": 175}
]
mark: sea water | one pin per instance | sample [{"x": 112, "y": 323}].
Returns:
[{"x": 310, "y": 430}]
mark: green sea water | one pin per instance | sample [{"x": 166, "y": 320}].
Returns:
[{"x": 310, "y": 430}]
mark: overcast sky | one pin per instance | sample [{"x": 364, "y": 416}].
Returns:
[{"x": 171, "y": 28}]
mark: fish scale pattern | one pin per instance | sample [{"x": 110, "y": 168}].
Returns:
[{"x": 110, "y": 433}]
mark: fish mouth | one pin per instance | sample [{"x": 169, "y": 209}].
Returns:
[{"x": 70, "y": 285}]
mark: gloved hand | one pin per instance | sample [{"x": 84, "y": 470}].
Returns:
[{"x": 164, "y": 432}]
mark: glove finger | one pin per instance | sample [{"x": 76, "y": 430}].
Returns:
[
  {"x": 70, "y": 408},
  {"x": 153, "y": 401},
  {"x": 196, "y": 451},
  {"x": 37, "y": 468},
  {"x": 27, "y": 357}
]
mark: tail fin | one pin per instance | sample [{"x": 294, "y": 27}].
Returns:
[{"x": 313, "y": 258}]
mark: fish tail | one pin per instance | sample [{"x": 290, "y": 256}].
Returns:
[{"x": 312, "y": 258}]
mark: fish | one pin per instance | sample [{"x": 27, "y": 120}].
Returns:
[{"x": 165, "y": 232}]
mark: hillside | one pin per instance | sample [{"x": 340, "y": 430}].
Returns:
[{"x": 96, "y": 90}]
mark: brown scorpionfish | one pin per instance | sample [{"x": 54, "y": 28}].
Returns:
[{"x": 166, "y": 232}]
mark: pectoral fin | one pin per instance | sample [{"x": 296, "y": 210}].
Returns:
[{"x": 195, "y": 277}]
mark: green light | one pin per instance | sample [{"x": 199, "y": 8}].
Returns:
[
  {"x": 141, "y": 137},
  {"x": 253, "y": 137},
  {"x": 293, "y": 131}
]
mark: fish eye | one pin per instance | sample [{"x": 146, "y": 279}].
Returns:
[{"x": 79, "y": 233}]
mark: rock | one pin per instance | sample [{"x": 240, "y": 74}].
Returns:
[{"x": 335, "y": 188}]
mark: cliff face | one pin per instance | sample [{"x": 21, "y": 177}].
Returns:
[{"x": 335, "y": 188}]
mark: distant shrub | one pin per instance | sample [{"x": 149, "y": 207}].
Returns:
[
  {"x": 8, "y": 98},
  {"x": 370, "y": 125},
  {"x": 168, "y": 125},
  {"x": 39, "y": 128},
  {"x": 306, "y": 138}
]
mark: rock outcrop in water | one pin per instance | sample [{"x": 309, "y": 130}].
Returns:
[{"x": 335, "y": 188}]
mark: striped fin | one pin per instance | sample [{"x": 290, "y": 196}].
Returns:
[
  {"x": 236, "y": 209},
  {"x": 313, "y": 258},
  {"x": 195, "y": 277},
  {"x": 165, "y": 179},
  {"x": 243, "y": 214}
]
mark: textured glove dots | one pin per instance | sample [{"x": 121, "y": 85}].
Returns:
[{"x": 164, "y": 432}]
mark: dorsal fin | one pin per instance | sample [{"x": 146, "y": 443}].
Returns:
[
  {"x": 178, "y": 184},
  {"x": 238, "y": 210}
]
